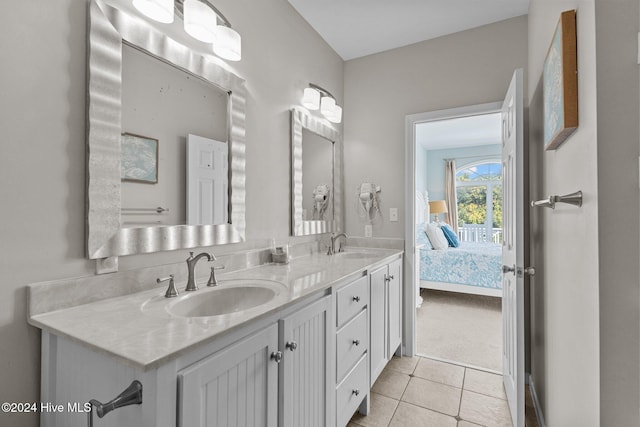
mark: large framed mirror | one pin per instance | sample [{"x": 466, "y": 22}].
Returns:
[
  {"x": 132, "y": 68},
  {"x": 316, "y": 175}
]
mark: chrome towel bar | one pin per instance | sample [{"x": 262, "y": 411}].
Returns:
[
  {"x": 139, "y": 211},
  {"x": 571, "y": 199}
]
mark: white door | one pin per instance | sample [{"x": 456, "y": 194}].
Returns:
[
  {"x": 207, "y": 181},
  {"x": 513, "y": 250}
]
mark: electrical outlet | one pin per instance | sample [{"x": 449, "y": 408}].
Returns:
[
  {"x": 393, "y": 214},
  {"x": 368, "y": 230}
]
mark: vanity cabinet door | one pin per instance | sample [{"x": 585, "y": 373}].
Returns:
[
  {"x": 394, "y": 294},
  {"x": 304, "y": 371},
  {"x": 235, "y": 387},
  {"x": 378, "y": 323}
]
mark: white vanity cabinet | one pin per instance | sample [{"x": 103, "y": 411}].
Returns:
[
  {"x": 386, "y": 315},
  {"x": 237, "y": 386},
  {"x": 305, "y": 343},
  {"x": 352, "y": 349}
]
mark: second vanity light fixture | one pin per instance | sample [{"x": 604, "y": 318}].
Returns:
[
  {"x": 200, "y": 22},
  {"x": 316, "y": 97}
]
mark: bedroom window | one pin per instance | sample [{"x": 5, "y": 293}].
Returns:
[{"x": 479, "y": 190}]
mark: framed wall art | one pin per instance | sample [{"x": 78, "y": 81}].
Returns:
[
  {"x": 560, "y": 83},
  {"x": 139, "y": 159}
]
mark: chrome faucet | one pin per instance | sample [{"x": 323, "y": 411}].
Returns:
[
  {"x": 332, "y": 245},
  {"x": 191, "y": 266}
]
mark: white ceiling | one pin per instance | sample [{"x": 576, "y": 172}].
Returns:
[
  {"x": 355, "y": 28},
  {"x": 461, "y": 132}
]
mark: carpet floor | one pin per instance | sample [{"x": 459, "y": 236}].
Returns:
[{"x": 461, "y": 328}]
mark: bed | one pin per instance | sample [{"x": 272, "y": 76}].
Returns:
[{"x": 473, "y": 268}]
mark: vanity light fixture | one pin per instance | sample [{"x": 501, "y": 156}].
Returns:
[
  {"x": 316, "y": 97},
  {"x": 200, "y": 21}
]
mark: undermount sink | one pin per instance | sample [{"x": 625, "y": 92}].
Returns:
[{"x": 231, "y": 296}]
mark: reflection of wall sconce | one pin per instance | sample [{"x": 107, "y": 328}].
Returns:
[
  {"x": 316, "y": 97},
  {"x": 200, "y": 22},
  {"x": 437, "y": 207}
]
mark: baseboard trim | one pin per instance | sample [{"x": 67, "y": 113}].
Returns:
[{"x": 536, "y": 403}]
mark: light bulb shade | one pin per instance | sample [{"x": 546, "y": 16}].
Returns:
[
  {"x": 438, "y": 207},
  {"x": 200, "y": 21},
  {"x": 327, "y": 105},
  {"x": 336, "y": 115},
  {"x": 228, "y": 44},
  {"x": 158, "y": 10},
  {"x": 311, "y": 99}
]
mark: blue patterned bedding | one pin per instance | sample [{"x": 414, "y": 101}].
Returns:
[{"x": 474, "y": 264}]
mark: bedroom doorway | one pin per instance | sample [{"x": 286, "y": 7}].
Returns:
[{"x": 458, "y": 177}]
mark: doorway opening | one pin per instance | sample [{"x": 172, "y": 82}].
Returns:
[{"x": 458, "y": 193}]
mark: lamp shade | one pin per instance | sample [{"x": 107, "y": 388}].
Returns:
[
  {"x": 327, "y": 106},
  {"x": 228, "y": 44},
  {"x": 336, "y": 115},
  {"x": 200, "y": 21},
  {"x": 158, "y": 10},
  {"x": 438, "y": 207},
  {"x": 311, "y": 99}
]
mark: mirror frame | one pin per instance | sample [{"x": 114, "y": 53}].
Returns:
[
  {"x": 108, "y": 29},
  {"x": 300, "y": 119}
]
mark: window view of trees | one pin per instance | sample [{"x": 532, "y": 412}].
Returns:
[{"x": 474, "y": 184}]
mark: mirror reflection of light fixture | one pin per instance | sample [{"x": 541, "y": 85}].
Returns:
[
  {"x": 437, "y": 207},
  {"x": 316, "y": 97},
  {"x": 200, "y": 22}
]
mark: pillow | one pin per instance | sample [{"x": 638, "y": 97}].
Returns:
[
  {"x": 450, "y": 235},
  {"x": 436, "y": 236},
  {"x": 421, "y": 236}
]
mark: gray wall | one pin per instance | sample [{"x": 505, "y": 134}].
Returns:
[
  {"x": 466, "y": 68},
  {"x": 42, "y": 153},
  {"x": 584, "y": 296}
]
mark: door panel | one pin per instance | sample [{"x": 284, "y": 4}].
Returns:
[{"x": 513, "y": 249}]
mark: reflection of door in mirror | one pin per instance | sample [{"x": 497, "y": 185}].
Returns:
[
  {"x": 207, "y": 181},
  {"x": 162, "y": 102},
  {"x": 317, "y": 177}
]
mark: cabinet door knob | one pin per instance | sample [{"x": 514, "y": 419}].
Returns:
[
  {"x": 276, "y": 356},
  {"x": 356, "y": 342},
  {"x": 291, "y": 345},
  {"x": 356, "y": 392},
  {"x": 356, "y": 298},
  {"x": 388, "y": 277}
]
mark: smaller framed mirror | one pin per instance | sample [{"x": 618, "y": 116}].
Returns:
[{"x": 316, "y": 175}]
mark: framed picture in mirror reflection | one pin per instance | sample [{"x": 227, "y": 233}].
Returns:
[{"x": 139, "y": 158}]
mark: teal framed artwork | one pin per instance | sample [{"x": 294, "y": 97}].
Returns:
[
  {"x": 139, "y": 161},
  {"x": 560, "y": 83}
]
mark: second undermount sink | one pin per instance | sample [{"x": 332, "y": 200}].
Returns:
[
  {"x": 353, "y": 255},
  {"x": 230, "y": 297}
]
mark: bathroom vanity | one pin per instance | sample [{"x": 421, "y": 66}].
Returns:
[{"x": 305, "y": 357}]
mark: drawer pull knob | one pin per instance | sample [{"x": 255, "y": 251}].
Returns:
[
  {"x": 356, "y": 392},
  {"x": 292, "y": 345},
  {"x": 276, "y": 356},
  {"x": 356, "y": 342},
  {"x": 356, "y": 298}
]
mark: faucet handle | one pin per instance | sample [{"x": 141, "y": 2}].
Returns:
[
  {"x": 212, "y": 278},
  {"x": 171, "y": 290}
]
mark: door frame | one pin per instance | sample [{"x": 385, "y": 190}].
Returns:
[{"x": 410, "y": 294}]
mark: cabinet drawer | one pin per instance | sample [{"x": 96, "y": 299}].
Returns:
[
  {"x": 352, "y": 299},
  {"x": 351, "y": 392},
  {"x": 352, "y": 342}
]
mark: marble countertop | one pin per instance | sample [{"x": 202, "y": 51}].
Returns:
[{"x": 140, "y": 331}]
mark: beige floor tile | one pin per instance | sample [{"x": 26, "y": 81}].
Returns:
[
  {"x": 432, "y": 395},
  {"x": 391, "y": 384},
  {"x": 484, "y": 383},
  {"x": 406, "y": 365},
  {"x": 440, "y": 372},
  {"x": 484, "y": 410},
  {"x": 382, "y": 410},
  {"x": 408, "y": 415},
  {"x": 465, "y": 424}
]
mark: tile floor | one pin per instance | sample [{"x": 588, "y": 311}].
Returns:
[{"x": 417, "y": 391}]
